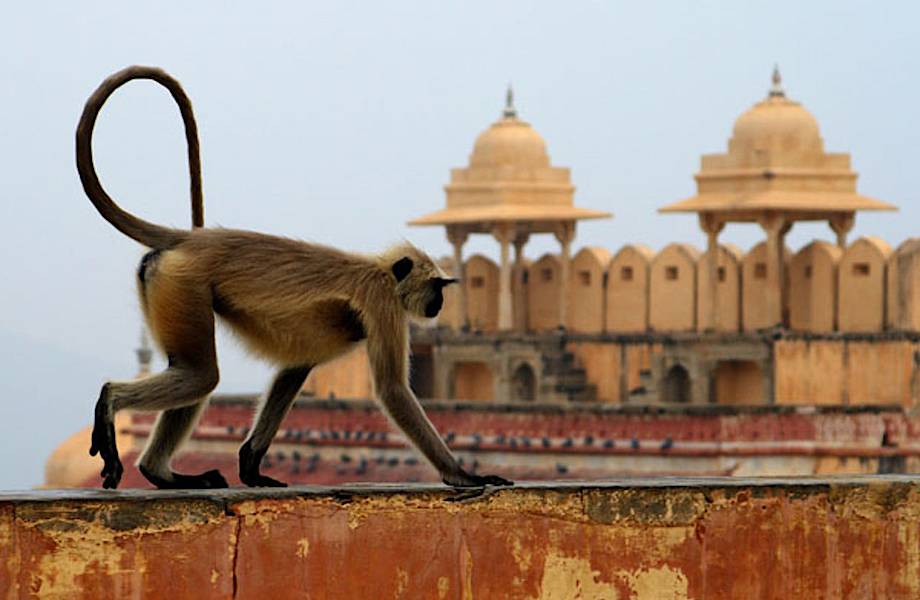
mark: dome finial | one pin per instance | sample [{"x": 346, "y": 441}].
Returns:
[
  {"x": 510, "y": 112},
  {"x": 776, "y": 90}
]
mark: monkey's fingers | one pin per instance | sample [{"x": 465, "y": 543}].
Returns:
[
  {"x": 469, "y": 480},
  {"x": 495, "y": 480},
  {"x": 112, "y": 472}
]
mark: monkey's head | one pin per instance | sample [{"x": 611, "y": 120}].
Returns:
[{"x": 420, "y": 282}]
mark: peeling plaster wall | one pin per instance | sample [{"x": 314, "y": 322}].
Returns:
[{"x": 636, "y": 539}]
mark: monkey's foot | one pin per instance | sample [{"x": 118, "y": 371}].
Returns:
[
  {"x": 259, "y": 480},
  {"x": 208, "y": 480},
  {"x": 103, "y": 442},
  {"x": 249, "y": 467},
  {"x": 468, "y": 480}
]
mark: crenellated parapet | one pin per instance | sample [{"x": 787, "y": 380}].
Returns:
[{"x": 863, "y": 288}]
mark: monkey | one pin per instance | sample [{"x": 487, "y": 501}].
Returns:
[{"x": 296, "y": 304}]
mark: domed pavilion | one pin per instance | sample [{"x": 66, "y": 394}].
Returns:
[
  {"x": 775, "y": 173},
  {"x": 510, "y": 190}
]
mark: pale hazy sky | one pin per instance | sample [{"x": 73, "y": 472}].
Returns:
[{"x": 337, "y": 122}]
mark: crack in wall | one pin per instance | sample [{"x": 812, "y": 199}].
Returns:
[{"x": 235, "y": 552}]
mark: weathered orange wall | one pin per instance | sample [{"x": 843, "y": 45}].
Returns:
[
  {"x": 850, "y": 372},
  {"x": 808, "y": 372},
  {"x": 879, "y": 372},
  {"x": 643, "y": 539}
]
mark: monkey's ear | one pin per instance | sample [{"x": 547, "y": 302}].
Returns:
[{"x": 402, "y": 267}]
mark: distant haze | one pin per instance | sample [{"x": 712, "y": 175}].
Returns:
[{"x": 337, "y": 122}]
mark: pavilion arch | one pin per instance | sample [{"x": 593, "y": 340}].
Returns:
[
  {"x": 543, "y": 290},
  {"x": 727, "y": 309},
  {"x": 628, "y": 289},
  {"x": 903, "y": 287},
  {"x": 482, "y": 291},
  {"x": 524, "y": 383},
  {"x": 861, "y": 285},
  {"x": 813, "y": 287},
  {"x": 755, "y": 292},
  {"x": 586, "y": 290},
  {"x": 672, "y": 289},
  {"x": 675, "y": 387}
]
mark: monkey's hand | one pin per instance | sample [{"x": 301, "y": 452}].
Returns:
[
  {"x": 103, "y": 442},
  {"x": 462, "y": 479}
]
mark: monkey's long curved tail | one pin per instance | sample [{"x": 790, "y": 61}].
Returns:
[{"x": 151, "y": 235}]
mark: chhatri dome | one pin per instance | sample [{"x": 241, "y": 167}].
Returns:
[
  {"x": 509, "y": 179},
  {"x": 776, "y": 161},
  {"x": 510, "y": 143},
  {"x": 775, "y": 126}
]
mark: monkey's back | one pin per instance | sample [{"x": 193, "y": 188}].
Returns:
[{"x": 288, "y": 300}]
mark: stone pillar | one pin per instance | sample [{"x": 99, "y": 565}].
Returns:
[
  {"x": 776, "y": 228},
  {"x": 564, "y": 233},
  {"x": 841, "y": 224},
  {"x": 457, "y": 236},
  {"x": 712, "y": 226},
  {"x": 520, "y": 291},
  {"x": 503, "y": 232}
]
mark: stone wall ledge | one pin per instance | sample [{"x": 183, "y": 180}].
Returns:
[{"x": 844, "y": 537}]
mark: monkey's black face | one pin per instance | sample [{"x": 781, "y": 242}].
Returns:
[{"x": 433, "y": 307}]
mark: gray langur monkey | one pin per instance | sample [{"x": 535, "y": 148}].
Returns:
[{"x": 296, "y": 304}]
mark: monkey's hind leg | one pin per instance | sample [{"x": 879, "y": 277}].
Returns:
[
  {"x": 274, "y": 407},
  {"x": 173, "y": 426},
  {"x": 179, "y": 313}
]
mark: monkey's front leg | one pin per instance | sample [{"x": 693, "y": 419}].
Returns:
[
  {"x": 103, "y": 440},
  {"x": 405, "y": 410},
  {"x": 274, "y": 407}
]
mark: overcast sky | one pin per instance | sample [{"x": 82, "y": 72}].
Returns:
[{"x": 337, "y": 122}]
